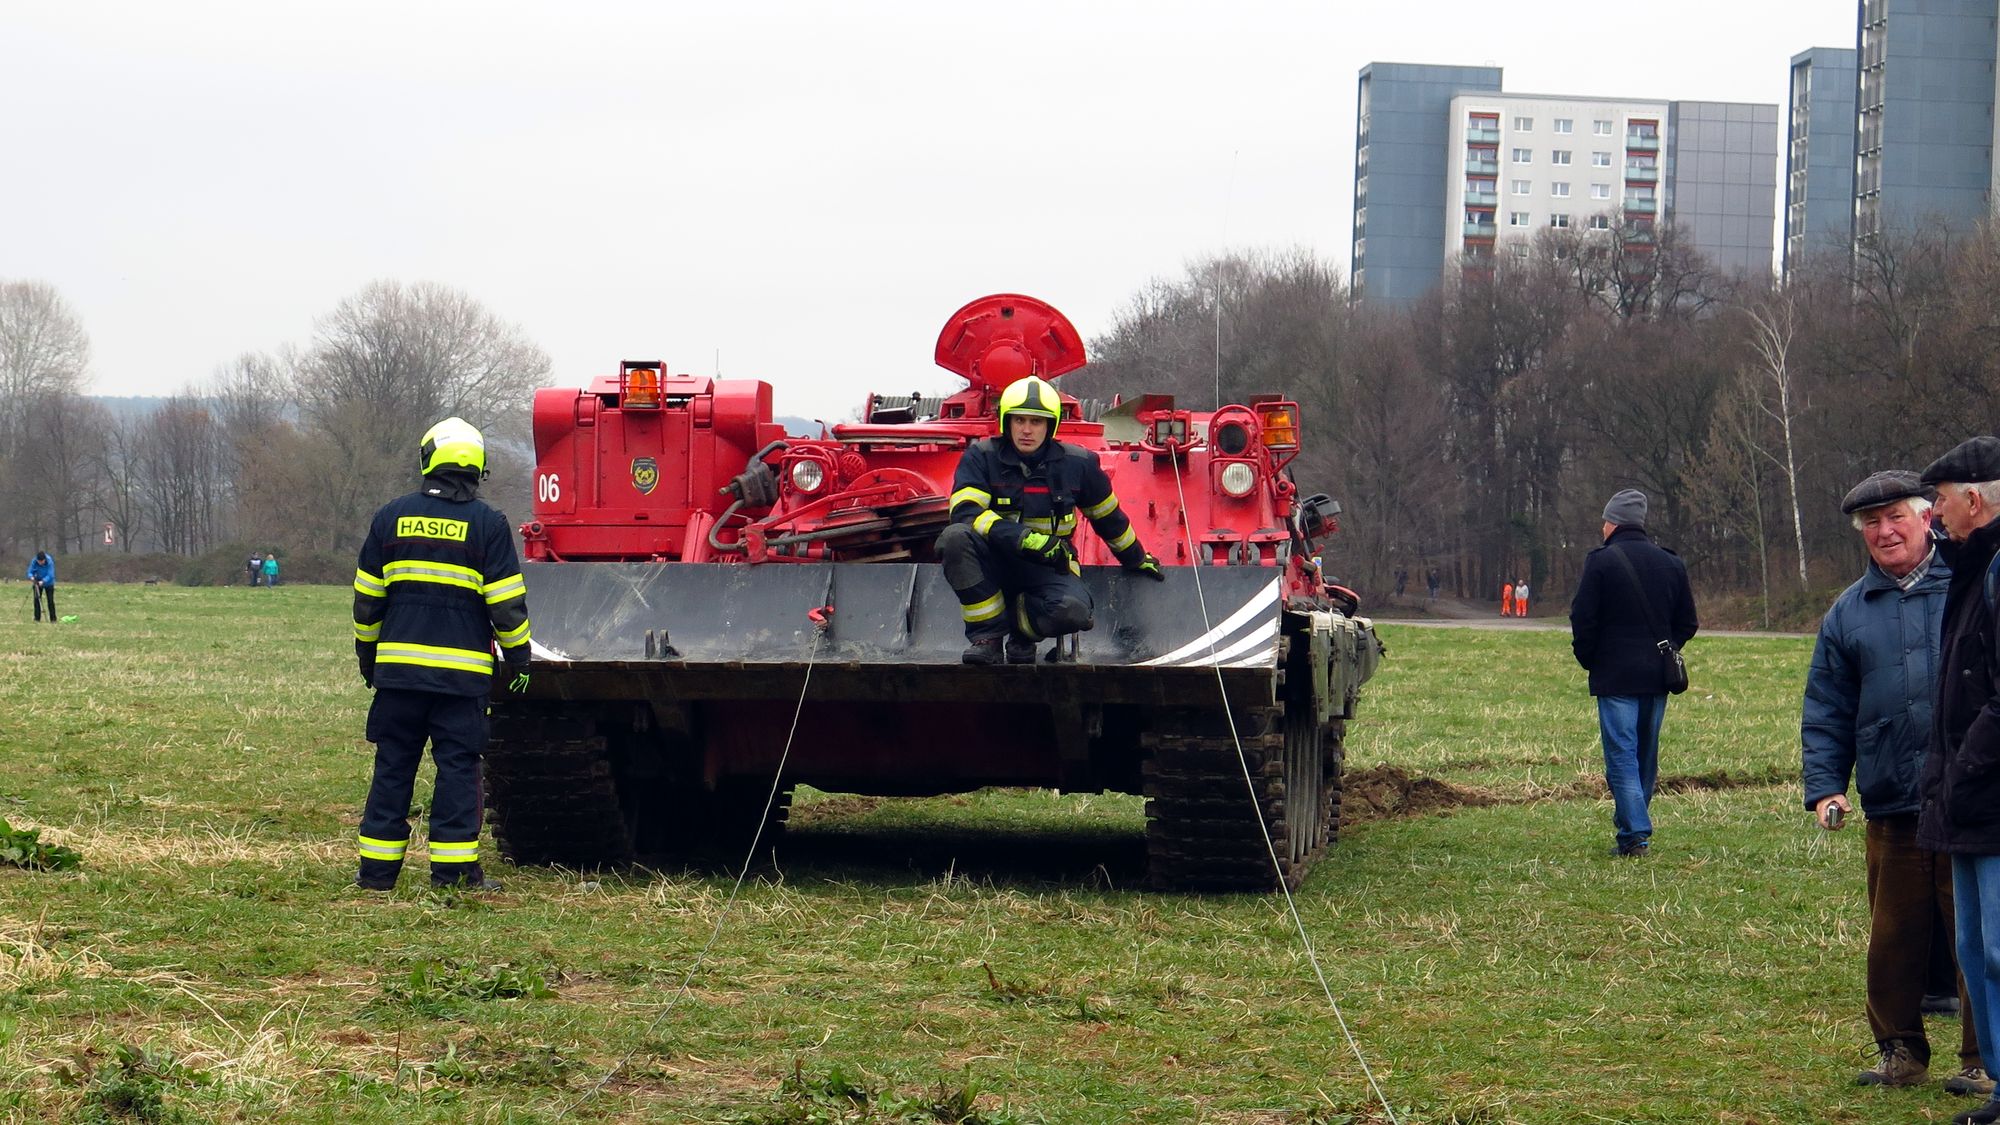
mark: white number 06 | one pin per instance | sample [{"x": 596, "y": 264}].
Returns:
[{"x": 548, "y": 488}]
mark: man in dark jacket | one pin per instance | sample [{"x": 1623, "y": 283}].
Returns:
[
  {"x": 1961, "y": 787},
  {"x": 1867, "y": 714},
  {"x": 436, "y": 585},
  {"x": 1630, "y": 593}
]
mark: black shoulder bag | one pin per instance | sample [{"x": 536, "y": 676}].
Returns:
[{"x": 1672, "y": 667}]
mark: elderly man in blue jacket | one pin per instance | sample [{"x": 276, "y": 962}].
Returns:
[
  {"x": 42, "y": 572},
  {"x": 1867, "y": 717}
]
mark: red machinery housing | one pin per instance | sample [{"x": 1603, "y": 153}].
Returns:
[{"x": 683, "y": 550}]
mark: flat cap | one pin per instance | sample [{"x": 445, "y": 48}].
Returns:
[
  {"x": 1969, "y": 462},
  {"x": 1885, "y": 487}
]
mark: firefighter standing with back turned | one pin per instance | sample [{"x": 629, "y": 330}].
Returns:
[
  {"x": 437, "y": 583},
  {"x": 1014, "y": 504}
]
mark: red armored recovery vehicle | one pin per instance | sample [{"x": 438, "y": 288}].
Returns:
[{"x": 687, "y": 562}]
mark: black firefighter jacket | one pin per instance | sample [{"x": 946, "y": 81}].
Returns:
[
  {"x": 1961, "y": 812},
  {"x": 436, "y": 584},
  {"x": 1610, "y": 631},
  {"x": 1003, "y": 496}
]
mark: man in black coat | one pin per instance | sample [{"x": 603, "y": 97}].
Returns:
[
  {"x": 1961, "y": 788},
  {"x": 1633, "y": 594}
]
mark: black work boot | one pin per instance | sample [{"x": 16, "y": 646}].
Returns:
[
  {"x": 377, "y": 875},
  {"x": 1020, "y": 650},
  {"x": 473, "y": 878},
  {"x": 982, "y": 650}
]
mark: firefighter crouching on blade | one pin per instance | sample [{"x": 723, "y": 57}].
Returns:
[
  {"x": 437, "y": 583},
  {"x": 1014, "y": 504}
]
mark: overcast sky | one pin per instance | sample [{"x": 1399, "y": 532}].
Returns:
[{"x": 805, "y": 190}]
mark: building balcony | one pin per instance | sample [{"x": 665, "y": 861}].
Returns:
[
  {"x": 1482, "y": 230},
  {"x": 1641, "y": 144},
  {"x": 1482, "y": 199},
  {"x": 1636, "y": 236},
  {"x": 1487, "y": 167},
  {"x": 1642, "y": 174},
  {"x": 1482, "y": 136},
  {"x": 1642, "y": 206}
]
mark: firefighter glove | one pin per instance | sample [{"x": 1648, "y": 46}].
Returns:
[
  {"x": 1150, "y": 567},
  {"x": 519, "y": 683},
  {"x": 1046, "y": 549},
  {"x": 367, "y": 670}
]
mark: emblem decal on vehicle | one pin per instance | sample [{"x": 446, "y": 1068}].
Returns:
[{"x": 645, "y": 475}]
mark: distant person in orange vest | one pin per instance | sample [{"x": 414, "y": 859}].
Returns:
[
  {"x": 1521, "y": 598},
  {"x": 1506, "y": 597}
]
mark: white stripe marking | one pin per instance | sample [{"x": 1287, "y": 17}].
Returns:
[{"x": 1264, "y": 601}]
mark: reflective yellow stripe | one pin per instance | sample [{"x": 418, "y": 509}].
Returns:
[
  {"x": 1130, "y": 537},
  {"x": 467, "y": 852},
  {"x": 506, "y": 588},
  {"x": 442, "y": 573},
  {"x": 985, "y": 611},
  {"x": 367, "y": 632},
  {"x": 366, "y": 583},
  {"x": 514, "y": 638},
  {"x": 1067, "y": 525},
  {"x": 1099, "y": 511},
  {"x": 1039, "y": 523},
  {"x": 434, "y": 656},
  {"x": 970, "y": 495},
  {"x": 1021, "y": 622},
  {"x": 984, "y": 521},
  {"x": 388, "y": 850}
]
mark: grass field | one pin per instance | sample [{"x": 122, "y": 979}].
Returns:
[{"x": 969, "y": 959}]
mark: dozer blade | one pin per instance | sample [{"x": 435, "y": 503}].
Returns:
[{"x": 731, "y": 631}]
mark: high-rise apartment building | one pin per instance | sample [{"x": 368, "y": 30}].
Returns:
[
  {"x": 1924, "y": 132},
  {"x": 1401, "y": 147},
  {"x": 1819, "y": 160},
  {"x": 1450, "y": 169},
  {"x": 1520, "y": 163}
]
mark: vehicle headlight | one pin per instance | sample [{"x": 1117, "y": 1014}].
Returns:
[
  {"x": 1238, "y": 479},
  {"x": 808, "y": 475}
]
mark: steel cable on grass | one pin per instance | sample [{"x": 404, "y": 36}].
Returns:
[
  {"x": 743, "y": 873},
  {"x": 1257, "y": 812}
]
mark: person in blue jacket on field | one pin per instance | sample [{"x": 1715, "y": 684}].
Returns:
[
  {"x": 1866, "y": 718},
  {"x": 42, "y": 572}
]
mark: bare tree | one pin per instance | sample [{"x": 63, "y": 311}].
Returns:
[
  {"x": 389, "y": 362},
  {"x": 181, "y": 483},
  {"x": 1773, "y": 335}
]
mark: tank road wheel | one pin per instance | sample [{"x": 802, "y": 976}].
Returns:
[
  {"x": 1202, "y": 830},
  {"x": 550, "y": 786}
]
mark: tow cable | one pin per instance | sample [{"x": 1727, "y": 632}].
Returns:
[
  {"x": 822, "y": 619},
  {"x": 1250, "y": 790}
]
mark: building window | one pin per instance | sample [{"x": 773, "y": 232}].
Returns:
[
  {"x": 1600, "y": 191},
  {"x": 1524, "y": 156},
  {"x": 1517, "y": 218},
  {"x": 1559, "y": 156},
  {"x": 1559, "y": 221},
  {"x": 1559, "y": 190},
  {"x": 1600, "y": 222},
  {"x": 1518, "y": 248},
  {"x": 1524, "y": 124},
  {"x": 1600, "y": 160},
  {"x": 1564, "y": 124},
  {"x": 1523, "y": 187},
  {"x": 1601, "y": 128}
]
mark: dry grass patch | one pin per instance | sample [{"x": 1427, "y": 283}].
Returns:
[{"x": 26, "y": 957}]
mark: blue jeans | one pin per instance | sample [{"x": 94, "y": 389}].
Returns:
[
  {"x": 1975, "y": 889},
  {"x": 1630, "y": 728}
]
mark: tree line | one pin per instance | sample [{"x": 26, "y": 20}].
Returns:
[
  {"x": 289, "y": 449},
  {"x": 1477, "y": 432}
]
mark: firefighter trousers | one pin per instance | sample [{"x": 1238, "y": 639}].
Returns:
[
  {"x": 999, "y": 594},
  {"x": 399, "y": 724}
]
